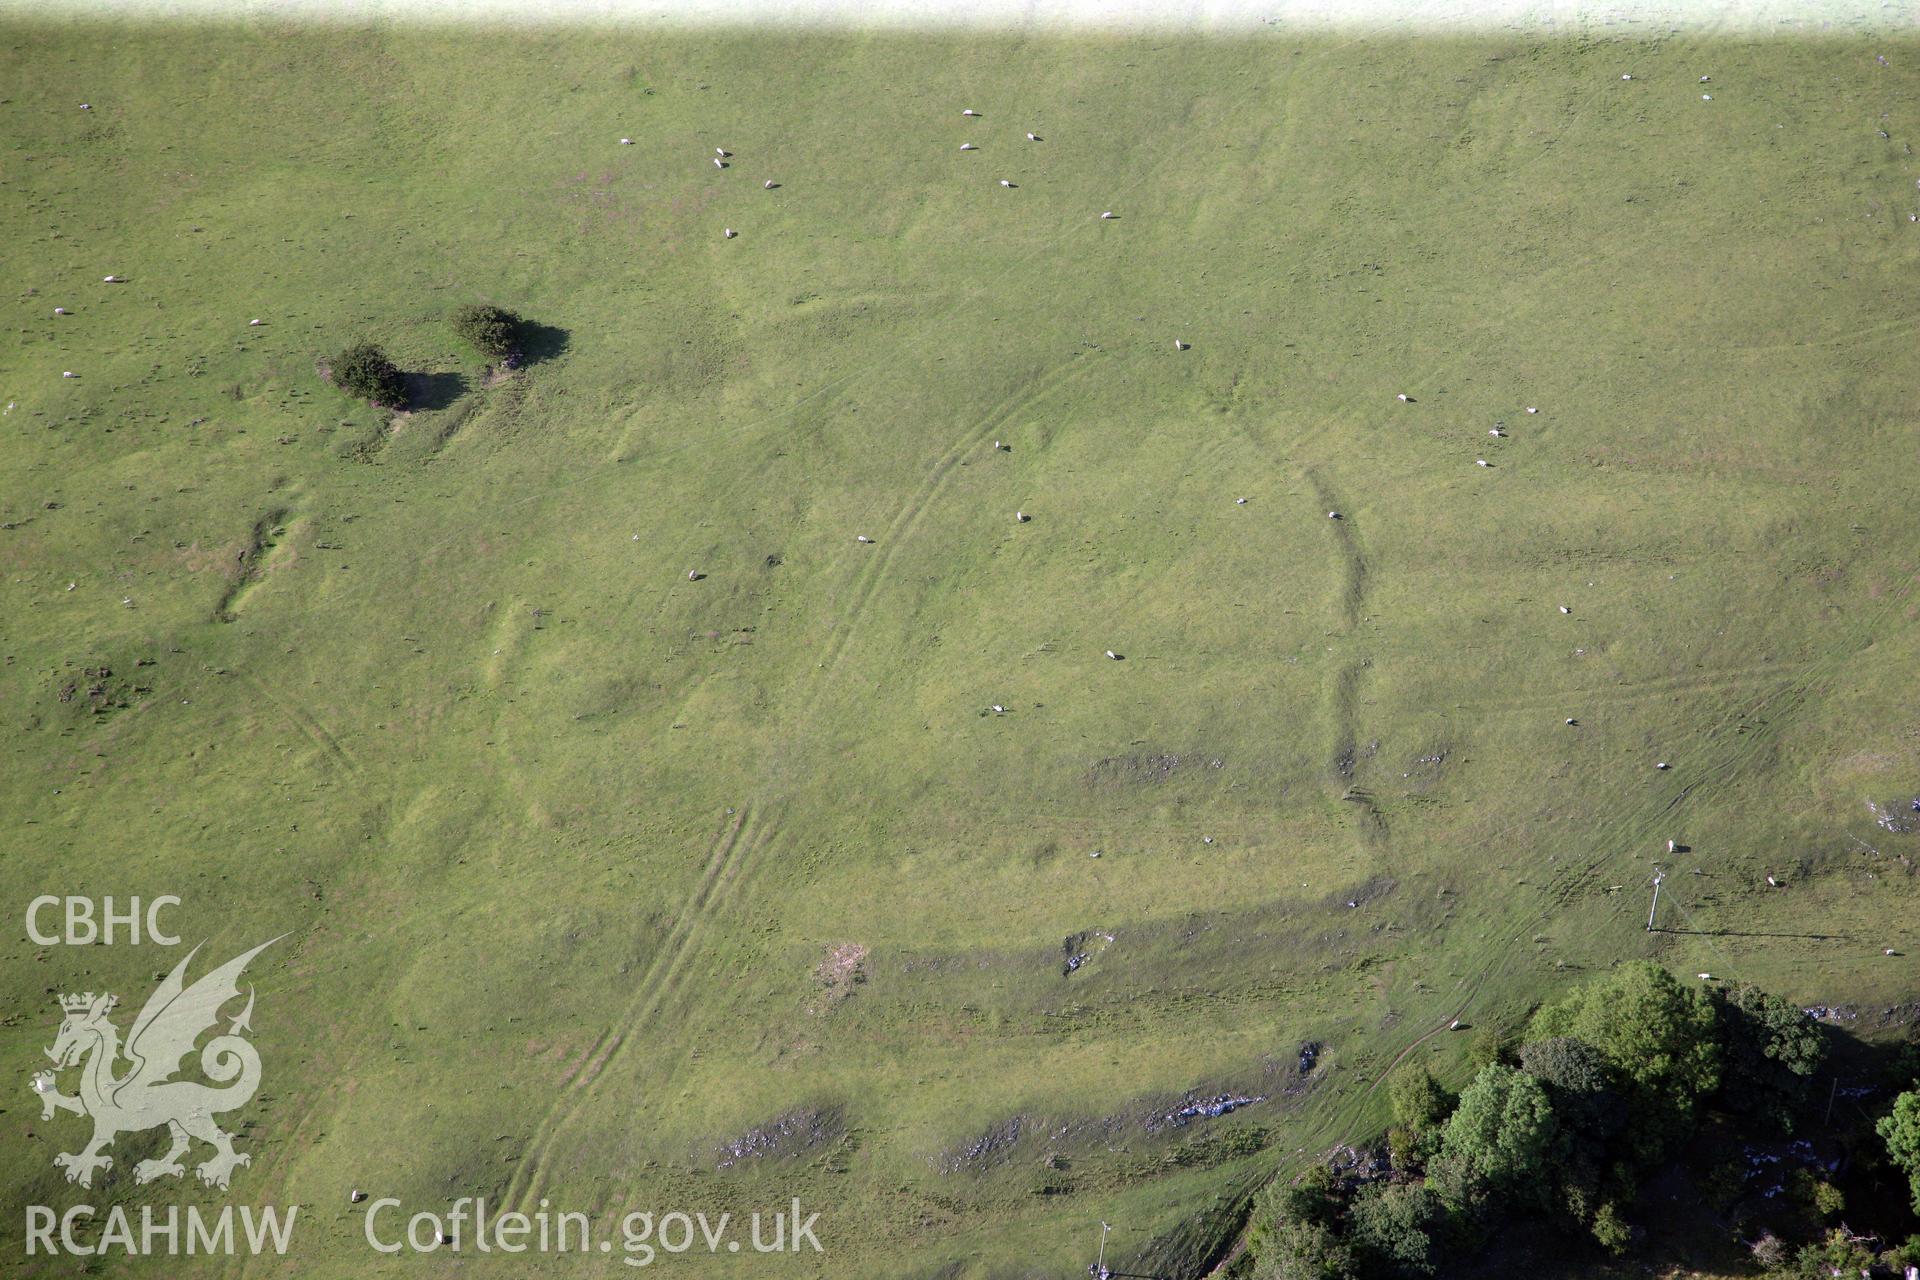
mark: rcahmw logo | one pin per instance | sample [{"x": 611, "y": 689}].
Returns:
[{"x": 127, "y": 1087}]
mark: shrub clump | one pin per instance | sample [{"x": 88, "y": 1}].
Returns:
[
  {"x": 363, "y": 370},
  {"x": 492, "y": 331}
]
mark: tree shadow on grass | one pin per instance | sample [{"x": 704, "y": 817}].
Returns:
[
  {"x": 540, "y": 342},
  {"x": 434, "y": 390}
]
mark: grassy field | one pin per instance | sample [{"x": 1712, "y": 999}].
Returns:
[{"x": 591, "y": 873}]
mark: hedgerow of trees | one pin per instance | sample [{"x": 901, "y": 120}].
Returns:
[{"x": 1562, "y": 1126}]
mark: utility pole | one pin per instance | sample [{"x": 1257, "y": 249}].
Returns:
[
  {"x": 1100, "y": 1267},
  {"x": 1658, "y": 876}
]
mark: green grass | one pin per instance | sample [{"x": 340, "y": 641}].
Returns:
[{"x": 524, "y": 797}]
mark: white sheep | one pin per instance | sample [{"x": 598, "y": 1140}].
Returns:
[
  {"x": 59, "y": 311},
  {"x": 1033, "y": 137},
  {"x": 111, "y": 280},
  {"x": 626, "y": 142},
  {"x": 1482, "y": 462},
  {"x": 1239, "y": 502},
  {"x": 1673, "y": 846},
  {"x": 769, "y": 184},
  {"x": 693, "y": 575},
  {"x": 1113, "y": 655},
  {"x": 722, "y": 152},
  {"x": 1180, "y": 346},
  {"x": 1021, "y": 517},
  {"x": 1108, "y": 214},
  {"x": 1402, "y": 397},
  {"x": 254, "y": 324},
  {"x": 1662, "y": 765},
  {"x": 718, "y": 163},
  {"x": 69, "y": 374},
  {"x": 999, "y": 710},
  {"x": 1565, "y": 609},
  {"x": 863, "y": 538},
  {"x": 1495, "y": 431},
  {"x": 1772, "y": 883},
  {"x": 1005, "y": 183},
  {"x": 969, "y": 112},
  {"x": 1706, "y": 97},
  {"x": 968, "y": 146},
  {"x": 1333, "y": 515},
  {"x": 730, "y": 233},
  {"x": 1531, "y": 409}
]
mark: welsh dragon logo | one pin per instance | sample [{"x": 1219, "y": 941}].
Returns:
[{"x": 142, "y": 1094}]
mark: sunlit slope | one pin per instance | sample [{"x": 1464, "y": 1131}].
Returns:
[{"x": 590, "y": 870}]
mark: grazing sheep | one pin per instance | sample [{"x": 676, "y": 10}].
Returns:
[
  {"x": 998, "y": 709},
  {"x": 1180, "y": 346},
  {"x": 1673, "y": 846},
  {"x": 1626, "y": 77},
  {"x": 1021, "y": 517},
  {"x": 69, "y": 374},
  {"x": 1565, "y": 609},
  {"x": 255, "y": 323},
  {"x": 1531, "y": 409},
  {"x": 1495, "y": 431},
  {"x": 1402, "y": 397},
  {"x": 969, "y": 112},
  {"x": 718, "y": 163},
  {"x": 1333, "y": 515},
  {"x": 59, "y": 311},
  {"x": 1706, "y": 97},
  {"x": 1571, "y": 720},
  {"x": 1482, "y": 462},
  {"x": 1705, "y": 977},
  {"x": 1662, "y": 765},
  {"x": 1033, "y": 137},
  {"x": 1239, "y": 502},
  {"x": 356, "y": 1195},
  {"x": 693, "y": 575},
  {"x": 626, "y": 142},
  {"x": 998, "y": 446},
  {"x": 1704, "y": 79},
  {"x": 112, "y": 280},
  {"x": 770, "y": 184},
  {"x": 1005, "y": 183},
  {"x": 86, "y": 106},
  {"x": 722, "y": 152},
  {"x": 1113, "y": 655},
  {"x": 1772, "y": 883},
  {"x": 968, "y": 146},
  {"x": 730, "y": 233},
  {"x": 1108, "y": 214},
  {"x": 863, "y": 538}
]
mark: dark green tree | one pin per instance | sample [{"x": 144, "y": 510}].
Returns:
[
  {"x": 1662, "y": 1037},
  {"x": 1421, "y": 1105},
  {"x": 492, "y": 331},
  {"x": 1900, "y": 1130},
  {"x": 1499, "y": 1146},
  {"x": 1390, "y": 1228},
  {"x": 363, "y": 370},
  {"x": 1772, "y": 1050}
]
